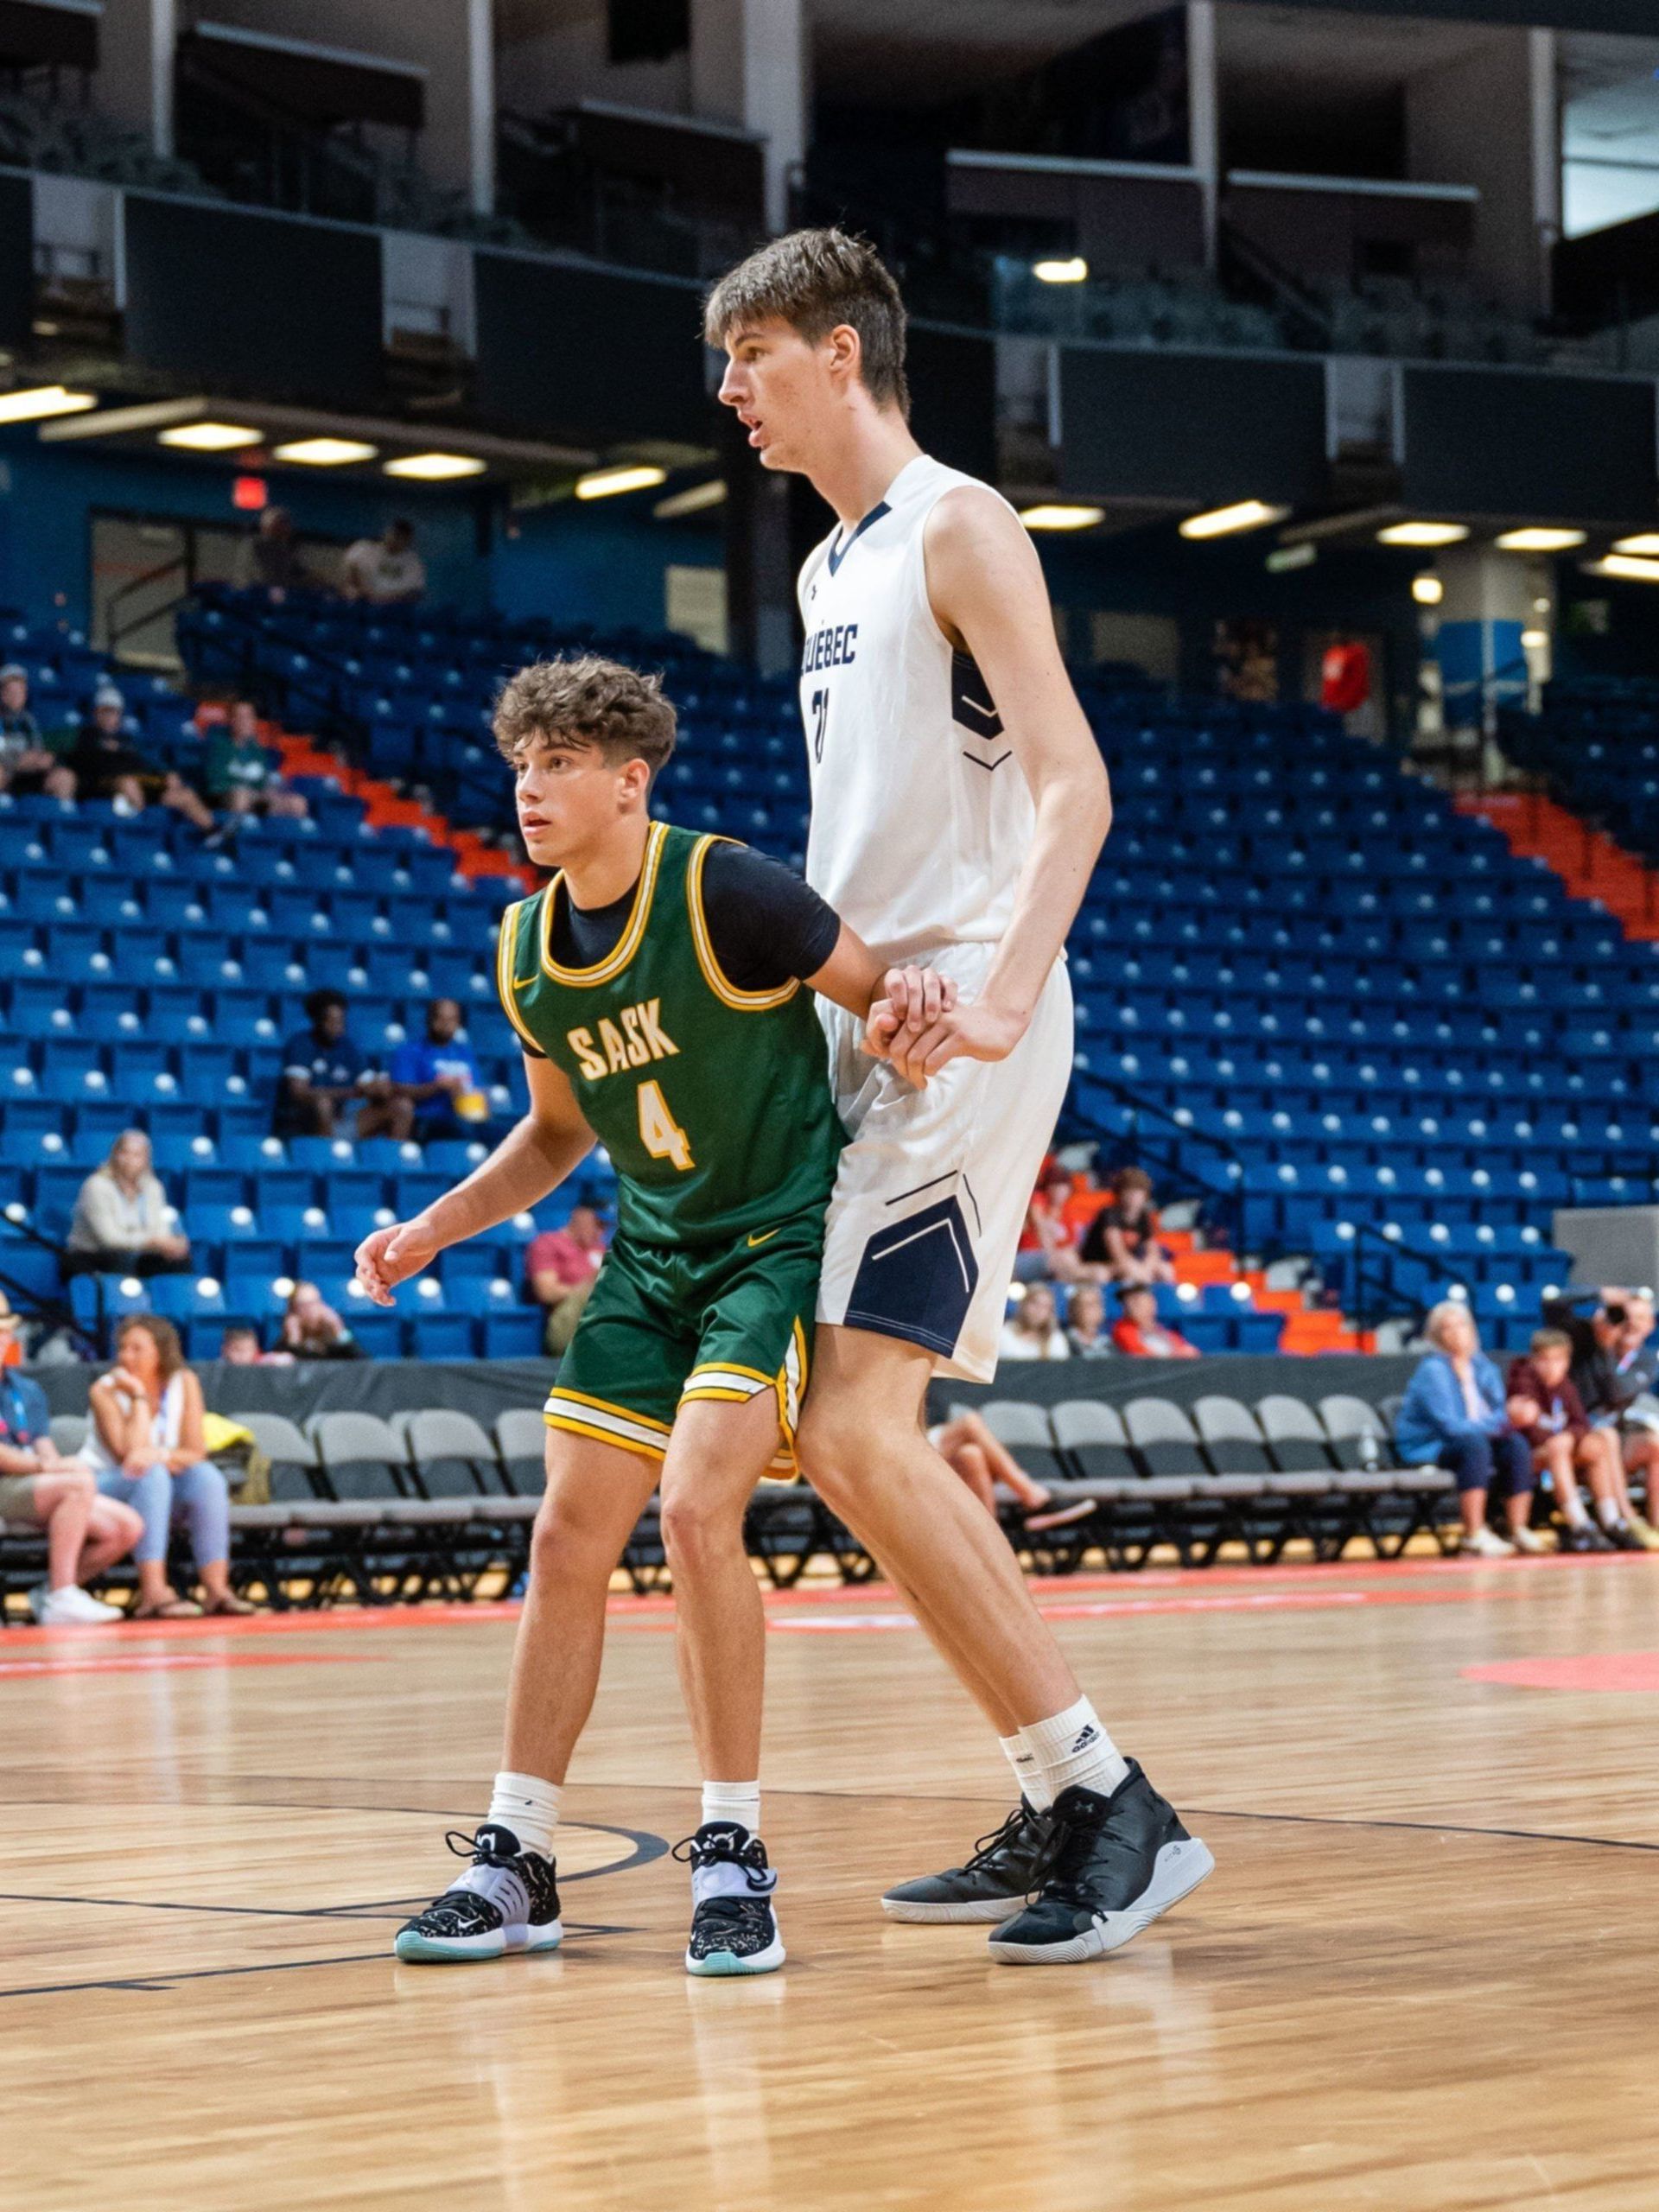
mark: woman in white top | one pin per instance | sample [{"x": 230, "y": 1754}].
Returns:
[
  {"x": 145, "y": 1447},
  {"x": 1032, "y": 1330},
  {"x": 123, "y": 1223}
]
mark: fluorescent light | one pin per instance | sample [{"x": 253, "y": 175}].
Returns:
[
  {"x": 44, "y": 399},
  {"x": 606, "y": 483},
  {"x": 1422, "y": 533},
  {"x": 1074, "y": 271},
  {"x": 1645, "y": 541},
  {"x": 1427, "y": 591},
  {"x": 691, "y": 501},
  {"x": 434, "y": 467},
  {"x": 1539, "y": 541},
  {"x": 210, "y": 437},
  {"x": 1054, "y": 515},
  {"x": 1536, "y": 639},
  {"x": 325, "y": 453},
  {"x": 1221, "y": 522},
  {"x": 1622, "y": 564}
]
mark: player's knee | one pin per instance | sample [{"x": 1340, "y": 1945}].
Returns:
[
  {"x": 696, "y": 1531},
  {"x": 835, "y": 1452},
  {"x": 562, "y": 1547}
]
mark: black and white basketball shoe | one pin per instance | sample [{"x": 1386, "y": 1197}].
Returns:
[
  {"x": 733, "y": 1920},
  {"x": 996, "y": 1879},
  {"x": 507, "y": 1900},
  {"x": 1109, "y": 1866}
]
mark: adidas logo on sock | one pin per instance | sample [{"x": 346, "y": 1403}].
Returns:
[{"x": 1086, "y": 1735}]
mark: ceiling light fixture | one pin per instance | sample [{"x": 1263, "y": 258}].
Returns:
[
  {"x": 1539, "y": 540},
  {"x": 41, "y": 400},
  {"x": 1623, "y": 565},
  {"x": 1645, "y": 541},
  {"x": 434, "y": 467},
  {"x": 325, "y": 453},
  {"x": 606, "y": 483},
  {"x": 1053, "y": 514},
  {"x": 1427, "y": 591},
  {"x": 1223, "y": 522},
  {"x": 1423, "y": 533},
  {"x": 692, "y": 501},
  {"x": 1073, "y": 271},
  {"x": 210, "y": 437}
]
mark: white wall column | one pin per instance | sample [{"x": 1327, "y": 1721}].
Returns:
[
  {"x": 1204, "y": 113},
  {"x": 134, "y": 80},
  {"x": 748, "y": 67}
]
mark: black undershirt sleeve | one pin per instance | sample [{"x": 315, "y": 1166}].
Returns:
[{"x": 767, "y": 925}]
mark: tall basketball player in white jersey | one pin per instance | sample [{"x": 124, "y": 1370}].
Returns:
[{"x": 958, "y": 804}]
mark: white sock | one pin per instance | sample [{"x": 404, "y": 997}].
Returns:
[
  {"x": 739, "y": 1801},
  {"x": 1573, "y": 1513},
  {"x": 1074, "y": 1750},
  {"x": 1027, "y": 1774},
  {"x": 530, "y": 1807},
  {"x": 1607, "y": 1513}
]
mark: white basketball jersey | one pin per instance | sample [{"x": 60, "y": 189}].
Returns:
[{"x": 921, "y": 815}]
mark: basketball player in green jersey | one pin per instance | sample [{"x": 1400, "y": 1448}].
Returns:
[{"x": 659, "y": 987}]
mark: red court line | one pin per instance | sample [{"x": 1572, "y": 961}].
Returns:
[
  {"x": 1574, "y": 1670},
  {"x": 162, "y": 1663}
]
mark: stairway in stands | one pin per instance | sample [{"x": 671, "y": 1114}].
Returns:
[{"x": 1588, "y": 862}]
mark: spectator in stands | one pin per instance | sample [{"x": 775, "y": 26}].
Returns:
[
  {"x": 104, "y": 762},
  {"x": 146, "y": 1448},
  {"x": 437, "y": 1078},
  {"x": 274, "y": 563},
  {"x": 28, "y": 763},
  {"x": 239, "y": 1346},
  {"x": 972, "y": 1452},
  {"x": 312, "y": 1329},
  {"x": 386, "y": 570},
  {"x": 1085, "y": 1323},
  {"x": 324, "y": 1072},
  {"x": 1059, "y": 1232},
  {"x": 123, "y": 1224},
  {"x": 1138, "y": 1331},
  {"x": 1122, "y": 1239},
  {"x": 1455, "y": 1415},
  {"x": 11, "y": 1335},
  {"x": 559, "y": 1271},
  {"x": 40, "y": 1488},
  {"x": 1612, "y": 1371},
  {"x": 1033, "y": 1330},
  {"x": 1547, "y": 1410},
  {"x": 236, "y": 773}
]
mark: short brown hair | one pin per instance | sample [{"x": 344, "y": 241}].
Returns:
[
  {"x": 169, "y": 1352},
  {"x": 1550, "y": 1340},
  {"x": 816, "y": 280},
  {"x": 587, "y": 701},
  {"x": 1132, "y": 1179}
]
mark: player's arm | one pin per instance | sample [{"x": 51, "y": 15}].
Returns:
[
  {"x": 535, "y": 1156},
  {"x": 855, "y": 979},
  {"x": 985, "y": 584}
]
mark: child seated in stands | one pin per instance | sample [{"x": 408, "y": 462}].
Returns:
[
  {"x": 1140, "y": 1333},
  {"x": 1545, "y": 1408}
]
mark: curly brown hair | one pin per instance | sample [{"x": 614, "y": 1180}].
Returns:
[
  {"x": 169, "y": 1352},
  {"x": 815, "y": 281},
  {"x": 586, "y": 701}
]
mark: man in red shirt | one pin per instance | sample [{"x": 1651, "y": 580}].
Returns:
[
  {"x": 560, "y": 1267},
  {"x": 1140, "y": 1333}
]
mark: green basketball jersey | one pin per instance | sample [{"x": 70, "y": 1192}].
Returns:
[{"x": 713, "y": 1103}]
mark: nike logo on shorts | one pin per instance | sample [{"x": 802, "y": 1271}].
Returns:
[{"x": 762, "y": 1239}]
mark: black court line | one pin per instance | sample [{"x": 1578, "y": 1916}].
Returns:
[{"x": 1422, "y": 1827}]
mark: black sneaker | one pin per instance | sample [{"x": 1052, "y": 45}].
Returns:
[
  {"x": 994, "y": 1881},
  {"x": 733, "y": 1925},
  {"x": 1621, "y": 1537},
  {"x": 1110, "y": 1866},
  {"x": 1583, "y": 1536},
  {"x": 508, "y": 1900}
]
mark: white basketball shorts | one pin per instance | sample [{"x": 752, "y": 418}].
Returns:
[{"x": 934, "y": 1185}]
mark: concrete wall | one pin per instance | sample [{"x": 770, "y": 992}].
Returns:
[{"x": 1476, "y": 121}]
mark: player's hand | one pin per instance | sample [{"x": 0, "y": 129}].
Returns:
[
  {"x": 979, "y": 1030},
  {"x": 389, "y": 1256},
  {"x": 914, "y": 1000}
]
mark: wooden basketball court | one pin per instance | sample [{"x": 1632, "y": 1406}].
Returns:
[{"x": 1423, "y": 1978}]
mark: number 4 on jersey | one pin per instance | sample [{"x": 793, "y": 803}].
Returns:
[{"x": 659, "y": 1133}]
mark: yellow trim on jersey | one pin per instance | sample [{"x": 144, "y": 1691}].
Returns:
[
  {"x": 628, "y": 943},
  {"x": 790, "y": 1391},
  {"x": 568, "y": 1424},
  {"x": 609, "y": 1406},
  {"x": 731, "y": 1367},
  {"x": 727, "y": 992},
  {"x": 707, "y": 1390},
  {"x": 506, "y": 983}
]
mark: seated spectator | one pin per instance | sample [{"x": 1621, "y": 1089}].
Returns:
[
  {"x": 324, "y": 1072},
  {"x": 238, "y": 773},
  {"x": 40, "y": 1488},
  {"x": 1455, "y": 1416},
  {"x": 11, "y": 1335},
  {"x": 239, "y": 1346},
  {"x": 971, "y": 1450},
  {"x": 1032, "y": 1330},
  {"x": 1122, "y": 1239},
  {"x": 437, "y": 1078},
  {"x": 559, "y": 1271},
  {"x": 386, "y": 570},
  {"x": 312, "y": 1329},
  {"x": 1085, "y": 1323},
  {"x": 1612, "y": 1368},
  {"x": 123, "y": 1224},
  {"x": 28, "y": 763},
  {"x": 1547, "y": 1410},
  {"x": 1138, "y": 1330},
  {"x": 274, "y": 563},
  {"x": 1059, "y": 1232},
  {"x": 145, "y": 1447},
  {"x": 103, "y": 762}
]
